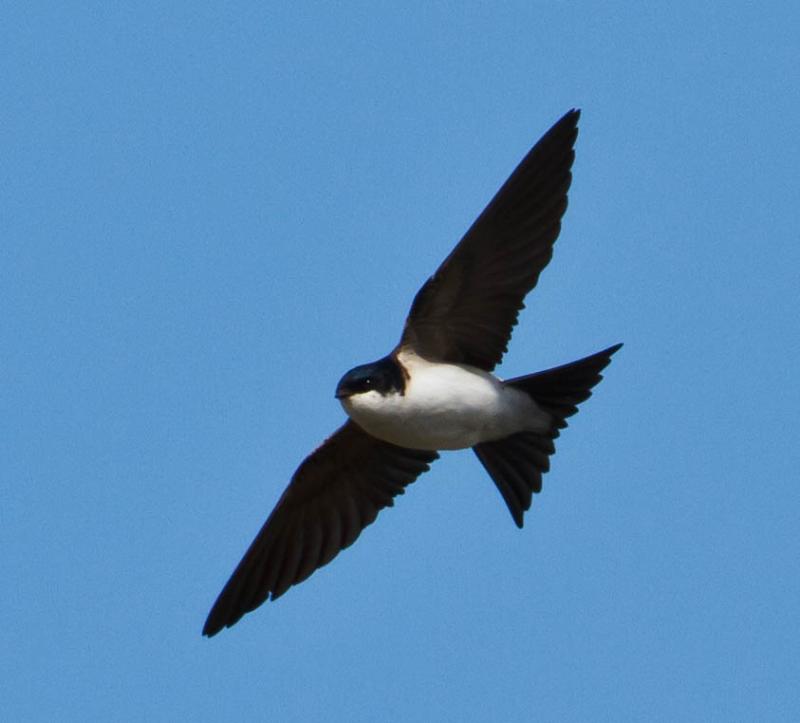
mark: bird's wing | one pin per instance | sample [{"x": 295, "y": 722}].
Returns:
[
  {"x": 335, "y": 493},
  {"x": 465, "y": 312}
]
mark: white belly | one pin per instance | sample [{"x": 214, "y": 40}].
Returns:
[{"x": 445, "y": 406}]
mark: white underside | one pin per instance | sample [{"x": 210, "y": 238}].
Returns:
[{"x": 446, "y": 406}]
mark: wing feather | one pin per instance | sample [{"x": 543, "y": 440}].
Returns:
[
  {"x": 334, "y": 494},
  {"x": 466, "y": 311}
]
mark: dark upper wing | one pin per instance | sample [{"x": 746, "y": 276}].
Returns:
[
  {"x": 335, "y": 493},
  {"x": 465, "y": 312}
]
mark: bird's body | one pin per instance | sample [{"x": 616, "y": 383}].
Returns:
[
  {"x": 445, "y": 407},
  {"x": 435, "y": 391}
]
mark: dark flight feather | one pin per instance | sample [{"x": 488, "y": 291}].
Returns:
[
  {"x": 465, "y": 312},
  {"x": 334, "y": 494}
]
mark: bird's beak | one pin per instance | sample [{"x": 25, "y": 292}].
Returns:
[{"x": 342, "y": 392}]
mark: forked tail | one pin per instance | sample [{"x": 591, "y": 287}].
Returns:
[{"x": 516, "y": 463}]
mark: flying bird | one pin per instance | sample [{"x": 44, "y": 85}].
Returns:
[{"x": 435, "y": 391}]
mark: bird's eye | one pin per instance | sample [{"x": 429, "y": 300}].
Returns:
[{"x": 368, "y": 382}]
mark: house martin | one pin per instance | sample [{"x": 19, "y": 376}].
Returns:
[{"x": 435, "y": 391}]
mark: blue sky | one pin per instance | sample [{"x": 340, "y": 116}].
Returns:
[{"x": 210, "y": 213}]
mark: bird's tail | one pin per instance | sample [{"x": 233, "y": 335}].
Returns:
[{"x": 516, "y": 463}]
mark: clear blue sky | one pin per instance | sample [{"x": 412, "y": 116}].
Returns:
[{"x": 209, "y": 213}]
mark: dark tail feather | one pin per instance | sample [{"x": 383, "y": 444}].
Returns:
[{"x": 516, "y": 463}]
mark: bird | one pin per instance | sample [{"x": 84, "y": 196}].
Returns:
[{"x": 435, "y": 391}]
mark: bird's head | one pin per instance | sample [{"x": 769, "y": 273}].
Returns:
[{"x": 384, "y": 376}]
